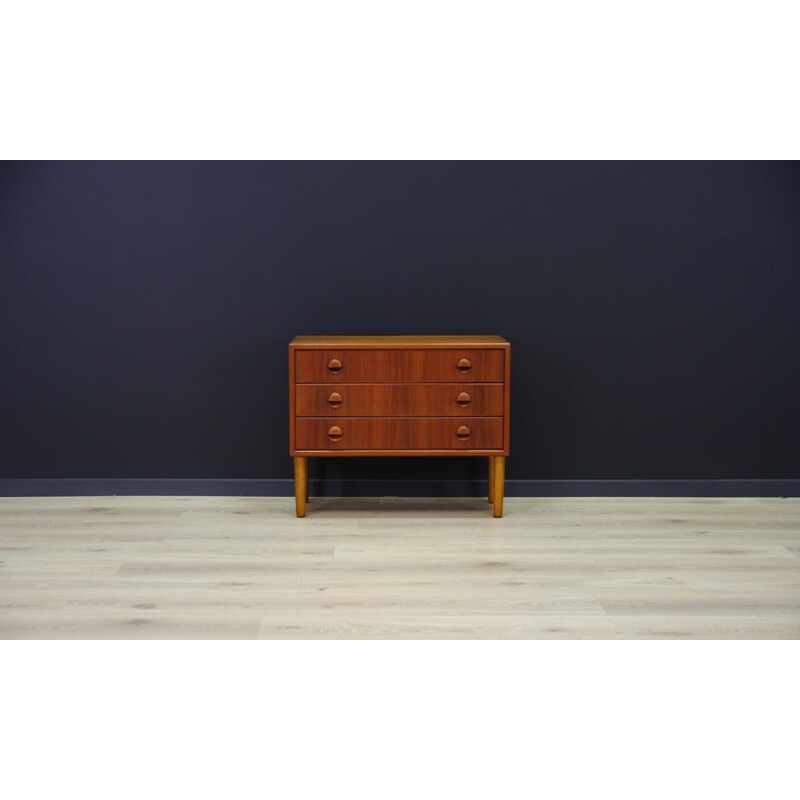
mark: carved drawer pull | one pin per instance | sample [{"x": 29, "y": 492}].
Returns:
[
  {"x": 334, "y": 433},
  {"x": 335, "y": 400},
  {"x": 334, "y": 366},
  {"x": 463, "y": 433},
  {"x": 463, "y": 399},
  {"x": 464, "y": 365}
]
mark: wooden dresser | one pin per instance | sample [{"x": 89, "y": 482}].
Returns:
[{"x": 399, "y": 396}]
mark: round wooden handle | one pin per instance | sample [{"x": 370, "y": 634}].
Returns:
[
  {"x": 465, "y": 365},
  {"x": 335, "y": 400},
  {"x": 463, "y": 433},
  {"x": 334, "y": 366},
  {"x": 463, "y": 399},
  {"x": 334, "y": 433}
]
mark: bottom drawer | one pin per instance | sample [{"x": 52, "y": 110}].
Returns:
[{"x": 399, "y": 433}]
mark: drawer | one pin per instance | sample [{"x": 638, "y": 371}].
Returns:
[
  {"x": 399, "y": 400},
  {"x": 399, "y": 433},
  {"x": 400, "y": 366}
]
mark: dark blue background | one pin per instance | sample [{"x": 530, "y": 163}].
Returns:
[{"x": 146, "y": 308}]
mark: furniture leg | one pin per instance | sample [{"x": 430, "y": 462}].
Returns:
[
  {"x": 300, "y": 484},
  {"x": 491, "y": 479},
  {"x": 499, "y": 470}
]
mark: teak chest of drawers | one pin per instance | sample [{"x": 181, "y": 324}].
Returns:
[{"x": 399, "y": 396}]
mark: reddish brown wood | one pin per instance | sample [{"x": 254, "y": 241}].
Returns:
[
  {"x": 400, "y": 400},
  {"x": 399, "y": 433},
  {"x": 507, "y": 414},
  {"x": 395, "y": 342},
  {"x": 400, "y": 396},
  {"x": 292, "y": 401},
  {"x": 334, "y": 433},
  {"x": 333, "y": 453},
  {"x": 400, "y": 366}
]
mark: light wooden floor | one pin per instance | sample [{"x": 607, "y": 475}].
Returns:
[{"x": 552, "y": 568}]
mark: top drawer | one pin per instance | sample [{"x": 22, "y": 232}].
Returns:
[{"x": 399, "y": 366}]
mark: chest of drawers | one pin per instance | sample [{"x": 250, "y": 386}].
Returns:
[{"x": 399, "y": 396}]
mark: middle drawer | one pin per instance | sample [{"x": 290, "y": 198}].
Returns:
[{"x": 399, "y": 400}]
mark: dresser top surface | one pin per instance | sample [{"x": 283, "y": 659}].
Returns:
[{"x": 397, "y": 341}]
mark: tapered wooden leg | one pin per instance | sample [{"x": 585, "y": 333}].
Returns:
[
  {"x": 300, "y": 484},
  {"x": 499, "y": 471},
  {"x": 491, "y": 479}
]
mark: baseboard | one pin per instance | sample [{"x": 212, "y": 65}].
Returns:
[{"x": 284, "y": 487}]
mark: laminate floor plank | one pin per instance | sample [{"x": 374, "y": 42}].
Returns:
[{"x": 396, "y": 568}]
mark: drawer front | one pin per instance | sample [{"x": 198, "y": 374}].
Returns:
[
  {"x": 399, "y": 433},
  {"x": 400, "y": 366},
  {"x": 399, "y": 400}
]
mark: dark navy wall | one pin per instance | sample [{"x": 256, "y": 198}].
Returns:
[{"x": 145, "y": 310}]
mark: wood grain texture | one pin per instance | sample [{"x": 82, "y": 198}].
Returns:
[
  {"x": 400, "y": 400},
  {"x": 507, "y": 415},
  {"x": 300, "y": 484},
  {"x": 292, "y": 400},
  {"x": 399, "y": 366},
  {"x": 398, "y": 433},
  {"x": 397, "y": 395},
  {"x": 371, "y": 568},
  {"x": 392, "y": 342},
  {"x": 498, "y": 478}
]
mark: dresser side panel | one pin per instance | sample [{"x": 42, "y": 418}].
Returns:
[
  {"x": 292, "y": 401},
  {"x": 507, "y": 410}
]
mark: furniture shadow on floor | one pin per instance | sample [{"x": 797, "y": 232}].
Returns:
[{"x": 446, "y": 507}]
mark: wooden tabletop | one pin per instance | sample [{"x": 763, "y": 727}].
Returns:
[{"x": 398, "y": 341}]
